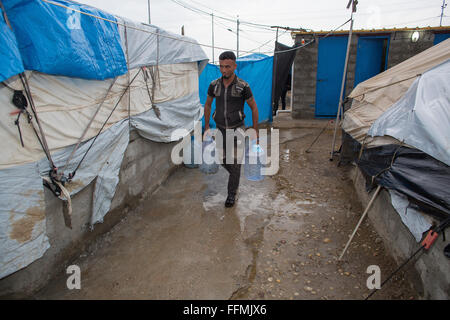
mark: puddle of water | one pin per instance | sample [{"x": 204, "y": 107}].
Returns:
[
  {"x": 307, "y": 201},
  {"x": 213, "y": 202}
]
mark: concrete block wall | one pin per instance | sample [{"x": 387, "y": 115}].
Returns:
[
  {"x": 145, "y": 166},
  {"x": 351, "y": 67},
  {"x": 306, "y": 61},
  {"x": 305, "y": 72},
  {"x": 430, "y": 273},
  {"x": 305, "y": 75},
  {"x": 402, "y": 48}
]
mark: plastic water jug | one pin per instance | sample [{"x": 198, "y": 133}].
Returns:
[
  {"x": 254, "y": 159},
  {"x": 188, "y": 157},
  {"x": 209, "y": 164}
]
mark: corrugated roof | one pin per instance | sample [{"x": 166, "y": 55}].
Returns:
[{"x": 384, "y": 30}]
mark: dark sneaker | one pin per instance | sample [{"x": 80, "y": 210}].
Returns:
[{"x": 230, "y": 201}]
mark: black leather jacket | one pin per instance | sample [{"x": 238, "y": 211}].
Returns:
[{"x": 230, "y": 102}]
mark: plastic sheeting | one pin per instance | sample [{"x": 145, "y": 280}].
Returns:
[
  {"x": 22, "y": 214},
  {"x": 257, "y": 71},
  {"x": 150, "y": 45},
  {"x": 60, "y": 41},
  {"x": 422, "y": 117},
  {"x": 283, "y": 68},
  {"x": 101, "y": 162},
  {"x": 413, "y": 173},
  {"x": 175, "y": 114},
  {"x": 66, "y": 105},
  {"x": 413, "y": 219},
  {"x": 22, "y": 218},
  {"x": 8, "y": 52},
  {"x": 374, "y": 96},
  {"x": 73, "y": 44},
  {"x": 72, "y": 56}
]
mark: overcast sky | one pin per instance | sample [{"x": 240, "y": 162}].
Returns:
[{"x": 312, "y": 14}]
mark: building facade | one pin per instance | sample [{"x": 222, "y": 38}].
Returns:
[{"x": 319, "y": 66}]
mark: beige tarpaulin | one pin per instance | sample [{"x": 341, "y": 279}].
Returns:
[
  {"x": 374, "y": 96},
  {"x": 66, "y": 105}
]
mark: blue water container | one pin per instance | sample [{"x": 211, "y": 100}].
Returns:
[
  {"x": 254, "y": 155},
  {"x": 209, "y": 164},
  {"x": 188, "y": 157}
]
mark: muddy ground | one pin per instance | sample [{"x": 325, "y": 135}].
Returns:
[{"x": 280, "y": 241}]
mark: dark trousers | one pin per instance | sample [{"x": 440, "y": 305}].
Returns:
[{"x": 233, "y": 169}]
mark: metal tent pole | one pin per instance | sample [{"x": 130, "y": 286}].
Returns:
[
  {"x": 444, "y": 5},
  {"x": 237, "y": 32},
  {"x": 353, "y": 3},
  {"x": 360, "y": 220},
  {"x": 149, "y": 19},
  {"x": 212, "y": 35}
]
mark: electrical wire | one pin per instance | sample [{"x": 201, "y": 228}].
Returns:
[
  {"x": 221, "y": 12},
  {"x": 229, "y": 28},
  {"x": 195, "y": 9},
  {"x": 266, "y": 43},
  {"x": 178, "y": 38},
  {"x": 405, "y": 23}
]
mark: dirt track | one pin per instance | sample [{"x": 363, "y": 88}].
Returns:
[{"x": 280, "y": 241}]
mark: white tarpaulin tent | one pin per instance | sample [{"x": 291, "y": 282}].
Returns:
[
  {"x": 407, "y": 105},
  {"x": 374, "y": 96},
  {"x": 421, "y": 118},
  {"x": 152, "y": 88}
]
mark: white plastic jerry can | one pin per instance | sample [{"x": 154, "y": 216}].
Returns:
[
  {"x": 209, "y": 163},
  {"x": 188, "y": 156},
  {"x": 254, "y": 159}
]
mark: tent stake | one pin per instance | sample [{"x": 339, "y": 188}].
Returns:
[{"x": 360, "y": 220}]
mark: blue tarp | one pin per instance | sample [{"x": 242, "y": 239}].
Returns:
[
  {"x": 60, "y": 41},
  {"x": 11, "y": 63},
  {"x": 256, "y": 69}
]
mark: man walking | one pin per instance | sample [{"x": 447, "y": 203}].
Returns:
[{"x": 231, "y": 93}]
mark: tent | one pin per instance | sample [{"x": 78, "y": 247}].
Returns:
[
  {"x": 400, "y": 118},
  {"x": 74, "y": 81},
  {"x": 256, "y": 69}
]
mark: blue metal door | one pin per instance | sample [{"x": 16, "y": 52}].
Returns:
[
  {"x": 330, "y": 68},
  {"x": 439, "y": 37},
  {"x": 370, "y": 57}
]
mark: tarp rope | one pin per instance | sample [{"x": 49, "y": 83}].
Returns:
[
  {"x": 42, "y": 139},
  {"x": 146, "y": 72},
  {"x": 388, "y": 85},
  {"x": 88, "y": 126},
  {"x": 72, "y": 174}
]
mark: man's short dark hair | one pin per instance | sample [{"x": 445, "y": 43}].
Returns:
[{"x": 227, "y": 55}]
